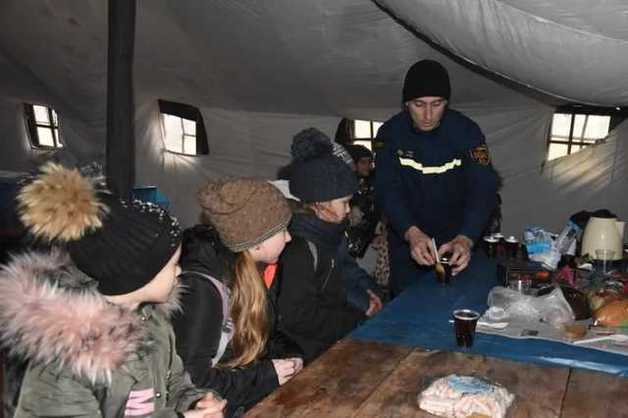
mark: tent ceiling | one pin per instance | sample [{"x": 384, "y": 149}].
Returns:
[
  {"x": 329, "y": 57},
  {"x": 569, "y": 49},
  {"x": 325, "y": 57}
]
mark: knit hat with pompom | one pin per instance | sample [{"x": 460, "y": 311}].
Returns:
[
  {"x": 317, "y": 175},
  {"x": 245, "y": 212},
  {"x": 121, "y": 244}
]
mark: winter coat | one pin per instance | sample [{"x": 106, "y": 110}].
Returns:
[
  {"x": 87, "y": 357},
  {"x": 198, "y": 329},
  {"x": 313, "y": 303},
  {"x": 440, "y": 181}
]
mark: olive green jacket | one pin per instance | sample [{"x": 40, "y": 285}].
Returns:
[{"x": 87, "y": 357}]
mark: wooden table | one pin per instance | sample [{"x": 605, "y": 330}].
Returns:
[{"x": 372, "y": 379}]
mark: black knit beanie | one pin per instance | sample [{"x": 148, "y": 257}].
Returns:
[
  {"x": 122, "y": 245},
  {"x": 136, "y": 241},
  {"x": 426, "y": 78},
  {"x": 358, "y": 151},
  {"x": 318, "y": 175}
]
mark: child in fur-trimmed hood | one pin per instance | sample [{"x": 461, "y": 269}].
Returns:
[{"x": 91, "y": 316}]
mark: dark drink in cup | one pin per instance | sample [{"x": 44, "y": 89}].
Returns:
[
  {"x": 512, "y": 247},
  {"x": 500, "y": 245},
  {"x": 491, "y": 246},
  {"x": 465, "y": 321},
  {"x": 443, "y": 270}
]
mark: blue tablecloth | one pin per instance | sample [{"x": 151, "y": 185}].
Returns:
[{"x": 419, "y": 317}]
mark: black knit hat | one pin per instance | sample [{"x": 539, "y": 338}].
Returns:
[
  {"x": 426, "y": 78},
  {"x": 358, "y": 151},
  {"x": 136, "y": 241},
  {"x": 318, "y": 175},
  {"x": 122, "y": 245}
]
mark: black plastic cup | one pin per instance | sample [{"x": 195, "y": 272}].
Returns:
[
  {"x": 443, "y": 272},
  {"x": 465, "y": 321},
  {"x": 512, "y": 247},
  {"x": 491, "y": 246}
]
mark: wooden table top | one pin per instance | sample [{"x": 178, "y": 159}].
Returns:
[{"x": 371, "y": 379}]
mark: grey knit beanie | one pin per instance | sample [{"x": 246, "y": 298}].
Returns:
[{"x": 317, "y": 175}]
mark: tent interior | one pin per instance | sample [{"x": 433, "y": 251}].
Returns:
[{"x": 260, "y": 71}]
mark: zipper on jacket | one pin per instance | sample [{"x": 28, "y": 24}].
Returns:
[{"x": 333, "y": 264}]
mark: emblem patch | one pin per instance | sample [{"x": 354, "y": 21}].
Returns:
[
  {"x": 405, "y": 154},
  {"x": 480, "y": 155}
]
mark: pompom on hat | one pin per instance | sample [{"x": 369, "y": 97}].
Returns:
[
  {"x": 245, "y": 212},
  {"x": 317, "y": 175},
  {"x": 120, "y": 244}
]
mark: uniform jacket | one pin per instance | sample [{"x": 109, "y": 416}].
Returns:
[
  {"x": 87, "y": 357},
  {"x": 442, "y": 181}
]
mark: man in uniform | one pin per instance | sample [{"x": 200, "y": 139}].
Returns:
[{"x": 434, "y": 178}]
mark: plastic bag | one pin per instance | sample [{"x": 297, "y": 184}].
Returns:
[
  {"x": 462, "y": 396},
  {"x": 536, "y": 240},
  {"x": 541, "y": 247},
  {"x": 552, "y": 308}
]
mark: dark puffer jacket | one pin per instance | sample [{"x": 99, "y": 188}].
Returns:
[
  {"x": 313, "y": 304},
  {"x": 198, "y": 327}
]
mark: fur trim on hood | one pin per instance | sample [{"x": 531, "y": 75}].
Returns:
[{"x": 51, "y": 312}]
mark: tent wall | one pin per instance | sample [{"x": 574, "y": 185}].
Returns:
[
  {"x": 240, "y": 144},
  {"x": 261, "y": 71},
  {"x": 546, "y": 193},
  {"x": 84, "y": 140},
  {"x": 257, "y": 144}
]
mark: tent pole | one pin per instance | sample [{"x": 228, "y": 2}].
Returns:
[{"x": 120, "y": 145}]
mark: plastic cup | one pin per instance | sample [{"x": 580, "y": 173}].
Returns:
[
  {"x": 606, "y": 257},
  {"x": 465, "y": 321},
  {"x": 500, "y": 245},
  {"x": 512, "y": 247},
  {"x": 521, "y": 285},
  {"x": 443, "y": 271},
  {"x": 491, "y": 246}
]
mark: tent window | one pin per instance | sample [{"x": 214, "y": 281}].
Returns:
[
  {"x": 365, "y": 131},
  {"x": 576, "y": 127},
  {"x": 183, "y": 129},
  {"x": 43, "y": 126}
]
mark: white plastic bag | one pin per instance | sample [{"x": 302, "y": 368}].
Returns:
[{"x": 551, "y": 308}]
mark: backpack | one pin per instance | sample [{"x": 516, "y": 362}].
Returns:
[{"x": 226, "y": 333}]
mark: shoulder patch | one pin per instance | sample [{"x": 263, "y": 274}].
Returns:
[
  {"x": 480, "y": 155},
  {"x": 378, "y": 144}
]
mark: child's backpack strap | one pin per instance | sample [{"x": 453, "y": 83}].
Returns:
[
  {"x": 317, "y": 267},
  {"x": 314, "y": 252},
  {"x": 227, "y": 324}
]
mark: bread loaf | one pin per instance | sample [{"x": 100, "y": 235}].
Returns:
[{"x": 613, "y": 314}]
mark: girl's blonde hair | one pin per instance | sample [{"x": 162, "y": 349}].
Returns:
[{"x": 249, "y": 311}]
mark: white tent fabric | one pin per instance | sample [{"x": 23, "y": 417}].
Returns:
[
  {"x": 261, "y": 71},
  {"x": 571, "y": 49}
]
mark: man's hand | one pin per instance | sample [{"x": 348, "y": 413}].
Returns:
[
  {"x": 421, "y": 247},
  {"x": 460, "y": 249},
  {"x": 375, "y": 303}
]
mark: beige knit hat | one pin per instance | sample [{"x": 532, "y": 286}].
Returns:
[{"x": 245, "y": 212}]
